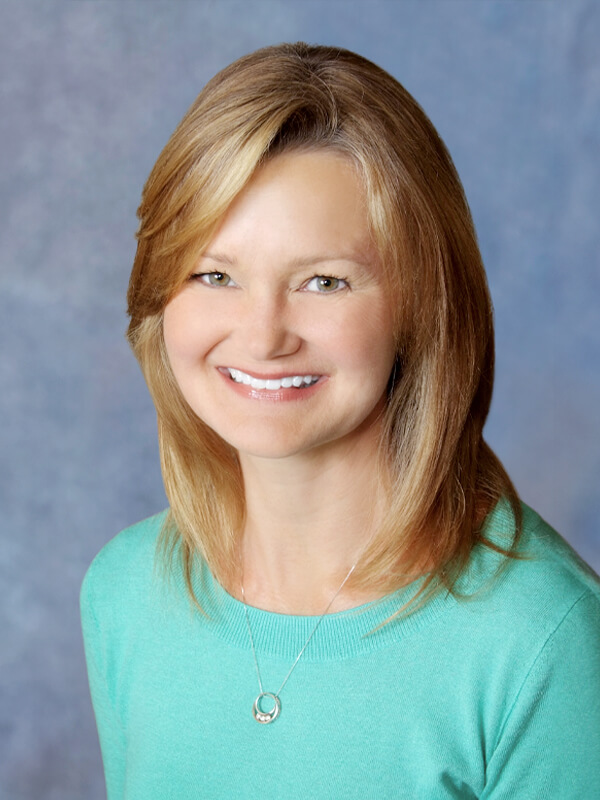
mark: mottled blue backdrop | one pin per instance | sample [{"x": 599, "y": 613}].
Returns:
[{"x": 90, "y": 92}]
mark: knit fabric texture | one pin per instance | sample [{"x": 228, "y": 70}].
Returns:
[{"x": 494, "y": 697}]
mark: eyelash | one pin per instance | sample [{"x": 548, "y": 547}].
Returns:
[
  {"x": 204, "y": 277},
  {"x": 334, "y": 278}
]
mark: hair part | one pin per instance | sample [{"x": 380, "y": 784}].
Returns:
[{"x": 442, "y": 477}]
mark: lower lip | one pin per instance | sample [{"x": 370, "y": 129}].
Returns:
[{"x": 272, "y": 395}]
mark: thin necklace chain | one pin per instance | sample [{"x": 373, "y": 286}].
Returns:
[
  {"x": 260, "y": 716},
  {"x": 306, "y": 643}
]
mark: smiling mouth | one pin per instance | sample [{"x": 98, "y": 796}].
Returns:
[{"x": 272, "y": 384}]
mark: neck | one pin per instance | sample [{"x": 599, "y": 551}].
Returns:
[{"x": 309, "y": 518}]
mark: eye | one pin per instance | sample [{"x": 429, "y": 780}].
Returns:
[
  {"x": 214, "y": 278},
  {"x": 325, "y": 284}
]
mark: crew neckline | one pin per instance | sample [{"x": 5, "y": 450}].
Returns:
[
  {"x": 341, "y": 634},
  {"x": 347, "y": 633}
]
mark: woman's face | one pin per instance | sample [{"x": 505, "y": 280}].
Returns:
[{"x": 282, "y": 339}]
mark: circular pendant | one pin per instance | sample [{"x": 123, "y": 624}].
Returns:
[{"x": 264, "y": 717}]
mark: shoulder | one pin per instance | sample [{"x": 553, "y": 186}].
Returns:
[
  {"x": 130, "y": 550},
  {"x": 539, "y": 662},
  {"x": 545, "y": 584},
  {"x": 125, "y": 564},
  {"x": 545, "y": 559}
]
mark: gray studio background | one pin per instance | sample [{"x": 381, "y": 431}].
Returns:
[{"x": 90, "y": 93}]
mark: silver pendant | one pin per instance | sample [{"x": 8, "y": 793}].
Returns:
[{"x": 264, "y": 717}]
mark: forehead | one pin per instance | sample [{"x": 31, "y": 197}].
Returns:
[{"x": 298, "y": 204}]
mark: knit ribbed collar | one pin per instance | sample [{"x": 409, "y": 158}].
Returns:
[
  {"x": 347, "y": 633},
  {"x": 340, "y": 635}
]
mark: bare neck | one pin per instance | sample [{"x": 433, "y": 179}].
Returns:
[{"x": 308, "y": 520}]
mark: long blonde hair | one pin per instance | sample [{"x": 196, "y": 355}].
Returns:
[{"x": 444, "y": 478}]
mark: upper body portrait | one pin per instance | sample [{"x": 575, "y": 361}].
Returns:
[{"x": 346, "y": 597}]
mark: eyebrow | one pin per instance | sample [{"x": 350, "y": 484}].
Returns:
[
  {"x": 306, "y": 261},
  {"x": 219, "y": 258}
]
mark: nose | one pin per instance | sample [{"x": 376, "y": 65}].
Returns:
[{"x": 268, "y": 329}]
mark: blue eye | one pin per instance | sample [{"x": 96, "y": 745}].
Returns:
[
  {"x": 325, "y": 284},
  {"x": 214, "y": 278}
]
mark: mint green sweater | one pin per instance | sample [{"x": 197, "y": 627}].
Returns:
[{"x": 496, "y": 697}]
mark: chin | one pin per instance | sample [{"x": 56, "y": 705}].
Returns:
[
  {"x": 273, "y": 437},
  {"x": 275, "y": 449},
  {"x": 279, "y": 446}
]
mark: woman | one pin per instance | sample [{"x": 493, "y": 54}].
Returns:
[{"x": 350, "y": 600}]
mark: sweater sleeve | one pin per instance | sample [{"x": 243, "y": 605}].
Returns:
[
  {"x": 110, "y": 731},
  {"x": 550, "y": 743}
]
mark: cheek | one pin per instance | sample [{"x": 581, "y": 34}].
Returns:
[
  {"x": 176, "y": 332},
  {"x": 366, "y": 341},
  {"x": 186, "y": 330}
]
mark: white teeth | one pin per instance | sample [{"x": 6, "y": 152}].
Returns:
[
  {"x": 272, "y": 384},
  {"x": 240, "y": 377}
]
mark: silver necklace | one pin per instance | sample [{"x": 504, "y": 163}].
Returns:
[{"x": 260, "y": 715}]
